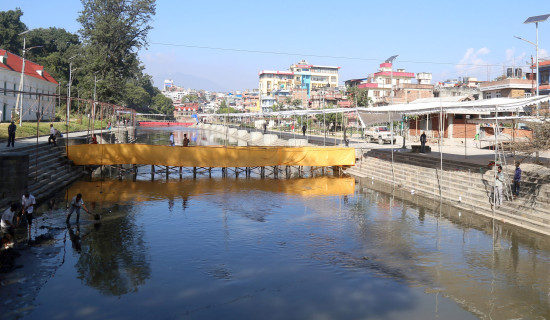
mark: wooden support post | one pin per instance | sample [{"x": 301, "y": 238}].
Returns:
[
  {"x": 262, "y": 172},
  {"x": 194, "y": 172},
  {"x": 276, "y": 172},
  {"x": 210, "y": 172},
  {"x": 236, "y": 172},
  {"x": 223, "y": 172}
]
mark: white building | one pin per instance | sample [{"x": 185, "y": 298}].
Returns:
[{"x": 39, "y": 89}]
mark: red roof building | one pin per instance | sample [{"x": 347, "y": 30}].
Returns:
[{"x": 38, "y": 92}]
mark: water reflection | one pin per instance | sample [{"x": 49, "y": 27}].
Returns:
[
  {"x": 491, "y": 269},
  {"x": 113, "y": 258}
]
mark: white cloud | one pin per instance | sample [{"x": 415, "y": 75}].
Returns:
[{"x": 472, "y": 62}]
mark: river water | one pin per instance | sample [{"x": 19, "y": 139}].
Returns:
[{"x": 309, "y": 247}]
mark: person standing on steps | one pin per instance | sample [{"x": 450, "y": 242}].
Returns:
[
  {"x": 423, "y": 142},
  {"x": 499, "y": 180},
  {"x": 75, "y": 205},
  {"x": 53, "y": 133},
  {"x": 11, "y": 134},
  {"x": 517, "y": 178}
]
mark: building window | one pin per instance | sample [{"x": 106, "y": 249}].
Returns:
[
  {"x": 377, "y": 93},
  {"x": 487, "y": 95},
  {"x": 497, "y": 94},
  {"x": 14, "y": 89},
  {"x": 388, "y": 80}
]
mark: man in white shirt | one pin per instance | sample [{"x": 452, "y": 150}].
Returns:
[
  {"x": 53, "y": 133},
  {"x": 28, "y": 201},
  {"x": 6, "y": 224},
  {"x": 75, "y": 205}
]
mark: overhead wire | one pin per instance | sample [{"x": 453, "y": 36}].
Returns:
[{"x": 315, "y": 55}]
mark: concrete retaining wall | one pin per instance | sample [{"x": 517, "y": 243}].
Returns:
[
  {"x": 269, "y": 139},
  {"x": 14, "y": 170},
  {"x": 256, "y": 135}
]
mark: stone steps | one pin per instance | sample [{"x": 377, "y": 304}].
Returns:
[{"x": 474, "y": 194}]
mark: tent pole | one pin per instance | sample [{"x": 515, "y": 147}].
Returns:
[{"x": 391, "y": 130}]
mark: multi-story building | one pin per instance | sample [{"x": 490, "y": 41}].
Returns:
[
  {"x": 507, "y": 88},
  {"x": 380, "y": 84},
  {"x": 301, "y": 75},
  {"x": 39, "y": 88}
]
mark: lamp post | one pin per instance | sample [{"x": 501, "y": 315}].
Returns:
[
  {"x": 69, "y": 101},
  {"x": 19, "y": 102},
  {"x": 536, "y": 20}
]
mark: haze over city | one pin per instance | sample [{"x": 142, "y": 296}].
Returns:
[{"x": 221, "y": 46}]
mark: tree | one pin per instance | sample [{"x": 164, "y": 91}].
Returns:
[
  {"x": 162, "y": 104},
  {"x": 136, "y": 96},
  {"x": 113, "y": 31},
  {"x": 222, "y": 110},
  {"x": 10, "y": 28},
  {"x": 296, "y": 102},
  {"x": 361, "y": 97}
]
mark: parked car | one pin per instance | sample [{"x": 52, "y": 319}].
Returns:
[{"x": 380, "y": 134}]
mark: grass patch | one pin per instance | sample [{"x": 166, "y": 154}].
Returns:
[{"x": 28, "y": 129}]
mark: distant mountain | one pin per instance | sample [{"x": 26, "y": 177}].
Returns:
[{"x": 188, "y": 81}]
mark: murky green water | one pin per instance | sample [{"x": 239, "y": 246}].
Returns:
[{"x": 309, "y": 248}]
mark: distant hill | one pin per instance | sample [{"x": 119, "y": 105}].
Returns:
[{"x": 188, "y": 81}]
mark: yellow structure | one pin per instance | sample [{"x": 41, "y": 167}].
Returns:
[
  {"x": 141, "y": 191},
  {"x": 210, "y": 156}
]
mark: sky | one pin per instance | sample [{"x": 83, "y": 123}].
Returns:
[{"x": 223, "y": 45}]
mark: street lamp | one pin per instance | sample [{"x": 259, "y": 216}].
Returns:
[
  {"x": 536, "y": 20},
  {"x": 69, "y": 100},
  {"x": 19, "y": 102}
]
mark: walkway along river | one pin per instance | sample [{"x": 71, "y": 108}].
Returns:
[{"x": 300, "y": 248}]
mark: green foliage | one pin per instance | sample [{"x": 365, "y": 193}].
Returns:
[
  {"x": 10, "y": 28},
  {"x": 162, "y": 104},
  {"x": 226, "y": 110},
  {"x": 328, "y": 118},
  {"x": 113, "y": 31},
  {"x": 356, "y": 95},
  {"x": 136, "y": 97},
  {"x": 276, "y": 107},
  {"x": 296, "y": 102}
]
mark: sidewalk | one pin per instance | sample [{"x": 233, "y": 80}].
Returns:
[{"x": 21, "y": 143}]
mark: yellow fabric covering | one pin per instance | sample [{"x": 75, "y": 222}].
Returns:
[
  {"x": 210, "y": 156},
  {"x": 131, "y": 191}
]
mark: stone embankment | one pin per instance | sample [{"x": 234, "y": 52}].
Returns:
[
  {"x": 44, "y": 169},
  {"x": 463, "y": 185},
  {"x": 253, "y": 137}
]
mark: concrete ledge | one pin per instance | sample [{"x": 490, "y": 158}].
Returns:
[
  {"x": 232, "y": 131},
  {"x": 269, "y": 139},
  {"x": 297, "y": 142},
  {"x": 242, "y": 133},
  {"x": 72, "y": 141},
  {"x": 256, "y": 135},
  {"x": 14, "y": 170}
]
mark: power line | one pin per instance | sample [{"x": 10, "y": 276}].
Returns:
[{"x": 317, "y": 55}]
